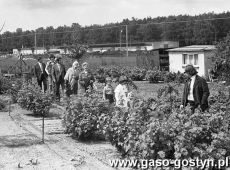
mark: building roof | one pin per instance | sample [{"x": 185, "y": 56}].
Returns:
[{"x": 193, "y": 48}]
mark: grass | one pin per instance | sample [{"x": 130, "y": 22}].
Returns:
[{"x": 147, "y": 90}]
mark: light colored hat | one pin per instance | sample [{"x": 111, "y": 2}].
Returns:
[
  {"x": 123, "y": 79},
  {"x": 75, "y": 63}
]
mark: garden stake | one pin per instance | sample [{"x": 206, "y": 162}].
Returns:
[
  {"x": 9, "y": 106},
  {"x": 43, "y": 127}
]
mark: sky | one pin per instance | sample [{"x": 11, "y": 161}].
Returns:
[{"x": 32, "y": 14}]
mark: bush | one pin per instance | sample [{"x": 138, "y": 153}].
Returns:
[
  {"x": 82, "y": 115},
  {"x": 150, "y": 131},
  {"x": 155, "y": 128},
  {"x": 30, "y": 97},
  {"x": 2, "y": 105},
  {"x": 5, "y": 84},
  {"x": 154, "y": 76}
]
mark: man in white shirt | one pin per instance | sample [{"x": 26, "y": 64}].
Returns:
[{"x": 196, "y": 91}]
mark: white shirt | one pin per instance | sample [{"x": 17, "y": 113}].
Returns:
[
  {"x": 190, "y": 94},
  {"x": 121, "y": 95},
  {"x": 59, "y": 67},
  {"x": 40, "y": 64}
]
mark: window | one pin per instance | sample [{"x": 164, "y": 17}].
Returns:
[{"x": 190, "y": 59}]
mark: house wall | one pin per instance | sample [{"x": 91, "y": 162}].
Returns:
[{"x": 176, "y": 62}]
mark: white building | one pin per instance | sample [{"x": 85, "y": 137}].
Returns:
[{"x": 197, "y": 55}]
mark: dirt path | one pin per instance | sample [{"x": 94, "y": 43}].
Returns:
[{"x": 21, "y": 146}]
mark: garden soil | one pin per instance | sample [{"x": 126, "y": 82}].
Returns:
[{"x": 21, "y": 145}]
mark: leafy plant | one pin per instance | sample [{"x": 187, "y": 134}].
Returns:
[
  {"x": 81, "y": 119},
  {"x": 30, "y": 97}
]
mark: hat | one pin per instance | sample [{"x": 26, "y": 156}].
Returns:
[
  {"x": 190, "y": 69},
  {"x": 123, "y": 79},
  {"x": 39, "y": 58},
  {"x": 75, "y": 63}
]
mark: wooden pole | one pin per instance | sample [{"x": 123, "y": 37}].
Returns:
[
  {"x": 43, "y": 128},
  {"x": 127, "y": 39}
]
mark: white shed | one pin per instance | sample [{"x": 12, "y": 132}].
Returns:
[{"x": 197, "y": 55}]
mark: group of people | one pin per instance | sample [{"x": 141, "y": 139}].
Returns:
[{"x": 77, "y": 80}]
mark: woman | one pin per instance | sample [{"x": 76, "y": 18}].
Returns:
[
  {"x": 86, "y": 79},
  {"x": 71, "y": 79},
  {"x": 121, "y": 92}
]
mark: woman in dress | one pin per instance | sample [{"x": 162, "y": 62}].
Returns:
[{"x": 71, "y": 79}]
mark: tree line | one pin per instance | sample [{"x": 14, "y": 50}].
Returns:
[{"x": 207, "y": 28}]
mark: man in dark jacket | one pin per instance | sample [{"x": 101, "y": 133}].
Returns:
[
  {"x": 196, "y": 91},
  {"x": 58, "y": 74},
  {"x": 40, "y": 73}
]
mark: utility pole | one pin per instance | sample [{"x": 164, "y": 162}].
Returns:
[
  {"x": 35, "y": 42},
  {"x": 127, "y": 51},
  {"x": 120, "y": 41}
]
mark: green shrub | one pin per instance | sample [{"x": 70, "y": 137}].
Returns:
[
  {"x": 2, "y": 105},
  {"x": 82, "y": 115},
  {"x": 30, "y": 97},
  {"x": 153, "y": 76},
  {"x": 150, "y": 131}
]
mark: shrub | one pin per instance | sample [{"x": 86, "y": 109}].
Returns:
[
  {"x": 5, "y": 84},
  {"x": 153, "y": 76},
  {"x": 82, "y": 115},
  {"x": 150, "y": 131},
  {"x": 30, "y": 97},
  {"x": 2, "y": 105}
]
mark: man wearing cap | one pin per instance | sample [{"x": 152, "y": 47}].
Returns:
[
  {"x": 40, "y": 73},
  {"x": 196, "y": 90},
  {"x": 58, "y": 74},
  {"x": 49, "y": 67}
]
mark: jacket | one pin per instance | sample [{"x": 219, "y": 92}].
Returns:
[
  {"x": 38, "y": 72},
  {"x": 200, "y": 92},
  {"x": 58, "y": 75}
]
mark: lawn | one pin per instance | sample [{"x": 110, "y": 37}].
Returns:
[{"x": 146, "y": 90}]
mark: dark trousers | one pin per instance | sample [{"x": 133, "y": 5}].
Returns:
[
  {"x": 43, "y": 81},
  {"x": 194, "y": 106},
  {"x": 57, "y": 88}
]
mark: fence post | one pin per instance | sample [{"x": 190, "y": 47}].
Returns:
[{"x": 43, "y": 128}]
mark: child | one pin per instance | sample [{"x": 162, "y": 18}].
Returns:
[
  {"x": 108, "y": 91},
  {"x": 130, "y": 100},
  {"x": 121, "y": 92}
]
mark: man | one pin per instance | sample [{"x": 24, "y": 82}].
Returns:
[
  {"x": 49, "y": 67},
  {"x": 58, "y": 74},
  {"x": 40, "y": 73},
  {"x": 196, "y": 90}
]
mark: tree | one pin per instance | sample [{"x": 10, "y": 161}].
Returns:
[
  {"x": 222, "y": 60},
  {"x": 77, "y": 51}
]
